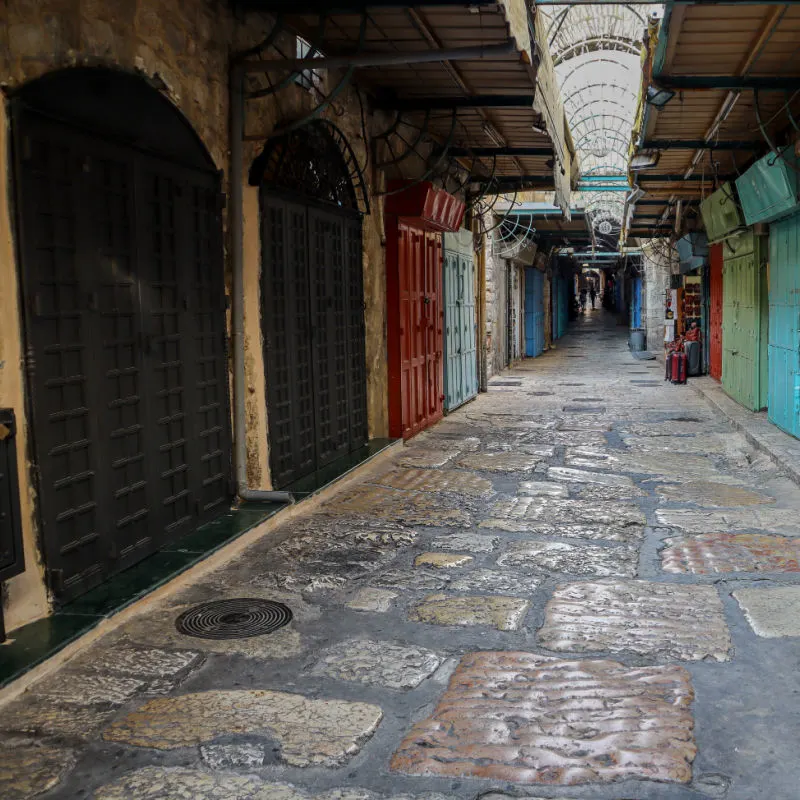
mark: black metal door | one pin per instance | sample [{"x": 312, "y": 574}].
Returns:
[
  {"x": 122, "y": 276},
  {"x": 313, "y": 329}
]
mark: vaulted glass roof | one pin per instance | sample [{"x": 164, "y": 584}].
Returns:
[{"x": 596, "y": 51}]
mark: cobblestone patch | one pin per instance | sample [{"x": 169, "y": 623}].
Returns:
[
  {"x": 582, "y": 476},
  {"x": 503, "y": 613},
  {"x": 30, "y": 769},
  {"x": 492, "y": 581},
  {"x": 585, "y": 436},
  {"x": 369, "y": 599},
  {"x": 442, "y": 560},
  {"x": 410, "y": 508},
  {"x": 677, "y": 466},
  {"x": 527, "y": 718},
  {"x": 598, "y": 492},
  {"x": 674, "y": 621},
  {"x": 585, "y": 559},
  {"x": 381, "y": 663},
  {"x": 708, "y": 493},
  {"x": 158, "y": 628},
  {"x": 424, "y": 457},
  {"x": 557, "y": 510},
  {"x": 694, "y": 521},
  {"x": 433, "y": 480},
  {"x": 731, "y": 552},
  {"x": 590, "y": 457},
  {"x": 499, "y": 462},
  {"x": 310, "y": 732},
  {"x": 773, "y": 612},
  {"x": 471, "y": 542},
  {"x": 611, "y": 533},
  {"x": 181, "y": 783}
]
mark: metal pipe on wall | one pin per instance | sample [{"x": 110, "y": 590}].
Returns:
[
  {"x": 481, "y": 332},
  {"x": 236, "y": 226}
]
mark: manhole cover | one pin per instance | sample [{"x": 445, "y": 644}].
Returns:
[
  {"x": 505, "y": 383},
  {"x": 574, "y": 355},
  {"x": 541, "y": 394},
  {"x": 584, "y": 409},
  {"x": 572, "y": 384},
  {"x": 685, "y": 419},
  {"x": 238, "y": 618},
  {"x": 587, "y": 399}
]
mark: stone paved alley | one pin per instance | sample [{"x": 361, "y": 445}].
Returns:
[{"x": 581, "y": 585}]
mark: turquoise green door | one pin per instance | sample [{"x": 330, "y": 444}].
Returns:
[
  {"x": 460, "y": 320},
  {"x": 784, "y": 324},
  {"x": 745, "y": 317}
]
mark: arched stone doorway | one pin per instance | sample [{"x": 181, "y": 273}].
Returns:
[
  {"x": 312, "y": 300},
  {"x": 120, "y": 239}
]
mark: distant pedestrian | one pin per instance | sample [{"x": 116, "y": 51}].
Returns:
[
  {"x": 593, "y": 295},
  {"x": 583, "y": 300}
]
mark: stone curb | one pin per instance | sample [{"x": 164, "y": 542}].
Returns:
[{"x": 782, "y": 449}]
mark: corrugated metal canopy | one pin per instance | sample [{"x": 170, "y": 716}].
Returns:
[
  {"x": 727, "y": 64},
  {"x": 423, "y": 91}
]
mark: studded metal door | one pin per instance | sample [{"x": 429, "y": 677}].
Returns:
[
  {"x": 460, "y": 320},
  {"x": 124, "y": 308},
  {"x": 313, "y": 330}
]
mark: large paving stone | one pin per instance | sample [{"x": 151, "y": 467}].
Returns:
[
  {"x": 503, "y": 613},
  {"x": 410, "y": 508},
  {"x": 709, "y": 493},
  {"x": 676, "y": 466},
  {"x": 371, "y": 599},
  {"x": 38, "y": 714},
  {"x": 674, "y": 621},
  {"x": 412, "y": 580},
  {"x": 499, "y": 462},
  {"x": 436, "y": 480},
  {"x": 584, "y": 476},
  {"x": 731, "y": 552},
  {"x": 558, "y": 510},
  {"x": 612, "y": 533},
  {"x": 310, "y": 732},
  {"x": 700, "y": 521},
  {"x": 773, "y": 612},
  {"x": 583, "y": 559},
  {"x": 543, "y": 489},
  {"x": 79, "y": 688},
  {"x": 28, "y": 769},
  {"x": 493, "y": 581},
  {"x": 381, "y": 663},
  {"x": 470, "y": 542},
  {"x": 442, "y": 560},
  {"x": 527, "y": 718},
  {"x": 424, "y": 457}
]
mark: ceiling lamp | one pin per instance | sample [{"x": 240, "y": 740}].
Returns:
[
  {"x": 658, "y": 98},
  {"x": 604, "y": 227},
  {"x": 644, "y": 159}
]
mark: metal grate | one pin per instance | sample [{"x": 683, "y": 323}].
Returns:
[
  {"x": 237, "y": 618},
  {"x": 584, "y": 409},
  {"x": 541, "y": 394},
  {"x": 504, "y": 383}
]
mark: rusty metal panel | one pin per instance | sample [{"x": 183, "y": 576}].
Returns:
[{"x": 715, "y": 311}]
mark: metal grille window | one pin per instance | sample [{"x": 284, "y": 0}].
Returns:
[{"x": 308, "y": 78}]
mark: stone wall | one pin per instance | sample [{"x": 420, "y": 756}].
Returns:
[
  {"x": 496, "y": 337},
  {"x": 659, "y": 263},
  {"x": 183, "y": 49}
]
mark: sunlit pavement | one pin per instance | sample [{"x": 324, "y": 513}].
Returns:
[{"x": 583, "y": 584}]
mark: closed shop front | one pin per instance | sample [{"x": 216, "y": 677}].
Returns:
[
  {"x": 636, "y": 303},
  {"x": 715, "y": 311},
  {"x": 784, "y": 324},
  {"x": 123, "y": 290},
  {"x": 312, "y": 304},
  {"x": 534, "y": 312},
  {"x": 460, "y": 320},
  {"x": 745, "y": 316},
  {"x": 415, "y": 218},
  {"x": 770, "y": 192}
]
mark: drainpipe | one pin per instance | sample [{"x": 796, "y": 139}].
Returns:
[
  {"x": 236, "y": 224},
  {"x": 482, "y": 380}
]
